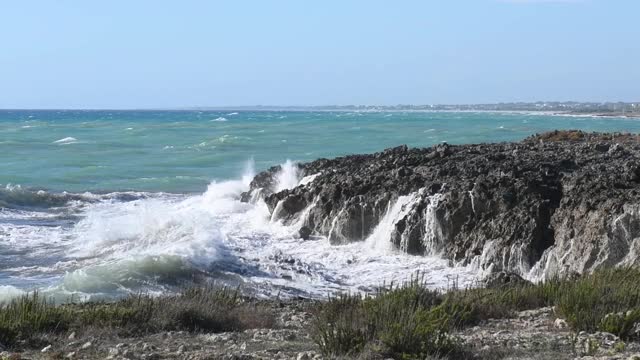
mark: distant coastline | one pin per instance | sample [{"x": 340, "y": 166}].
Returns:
[
  {"x": 568, "y": 108},
  {"x": 605, "y": 115},
  {"x": 549, "y": 106}
]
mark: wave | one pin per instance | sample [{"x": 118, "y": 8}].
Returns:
[
  {"x": 158, "y": 242},
  {"x": 220, "y": 119},
  {"x": 153, "y": 243},
  {"x": 20, "y": 198},
  {"x": 17, "y": 197}
]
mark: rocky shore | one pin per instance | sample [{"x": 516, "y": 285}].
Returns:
[
  {"x": 532, "y": 334},
  {"x": 553, "y": 204},
  {"x": 560, "y": 209}
]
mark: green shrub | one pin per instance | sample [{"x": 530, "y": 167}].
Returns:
[
  {"x": 195, "y": 309},
  {"x": 502, "y": 302},
  {"x": 413, "y": 322},
  {"x": 29, "y": 314},
  {"x": 340, "y": 326},
  {"x": 404, "y": 322},
  {"x": 607, "y": 300}
]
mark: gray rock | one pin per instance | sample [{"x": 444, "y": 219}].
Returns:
[
  {"x": 560, "y": 324},
  {"x": 113, "y": 352},
  {"x": 305, "y": 232},
  {"x": 540, "y": 207},
  {"x": 503, "y": 278},
  {"x": 46, "y": 349}
]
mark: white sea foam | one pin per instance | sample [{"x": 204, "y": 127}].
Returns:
[
  {"x": 150, "y": 242},
  {"x": 220, "y": 119},
  {"x": 232, "y": 114}
]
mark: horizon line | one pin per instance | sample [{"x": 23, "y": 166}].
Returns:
[{"x": 317, "y": 107}]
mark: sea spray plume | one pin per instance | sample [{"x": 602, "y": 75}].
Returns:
[
  {"x": 288, "y": 177},
  {"x": 249, "y": 171}
]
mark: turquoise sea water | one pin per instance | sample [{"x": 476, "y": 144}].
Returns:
[
  {"x": 100, "y": 204},
  {"x": 182, "y": 151}
]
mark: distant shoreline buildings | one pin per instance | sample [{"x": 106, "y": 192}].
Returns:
[
  {"x": 571, "y": 107},
  {"x": 553, "y": 106}
]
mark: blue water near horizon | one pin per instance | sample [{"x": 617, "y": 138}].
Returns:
[
  {"x": 182, "y": 151},
  {"x": 101, "y": 204}
]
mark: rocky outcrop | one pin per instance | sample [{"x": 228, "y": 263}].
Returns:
[{"x": 557, "y": 203}]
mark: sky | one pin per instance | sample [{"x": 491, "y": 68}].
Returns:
[{"x": 123, "y": 54}]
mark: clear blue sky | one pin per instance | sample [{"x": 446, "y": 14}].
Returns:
[{"x": 141, "y": 54}]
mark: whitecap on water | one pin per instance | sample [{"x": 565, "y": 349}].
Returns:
[
  {"x": 67, "y": 140},
  {"x": 220, "y": 119}
]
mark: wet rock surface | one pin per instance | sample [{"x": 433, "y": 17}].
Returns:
[{"x": 558, "y": 203}]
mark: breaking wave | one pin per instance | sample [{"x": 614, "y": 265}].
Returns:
[
  {"x": 18, "y": 197},
  {"x": 124, "y": 243}
]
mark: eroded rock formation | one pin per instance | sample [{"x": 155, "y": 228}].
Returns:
[{"x": 557, "y": 203}]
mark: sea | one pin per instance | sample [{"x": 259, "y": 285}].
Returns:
[{"x": 98, "y": 205}]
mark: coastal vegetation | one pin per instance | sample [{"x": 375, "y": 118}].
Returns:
[
  {"x": 410, "y": 321},
  {"x": 207, "y": 309},
  {"x": 407, "y": 321}
]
